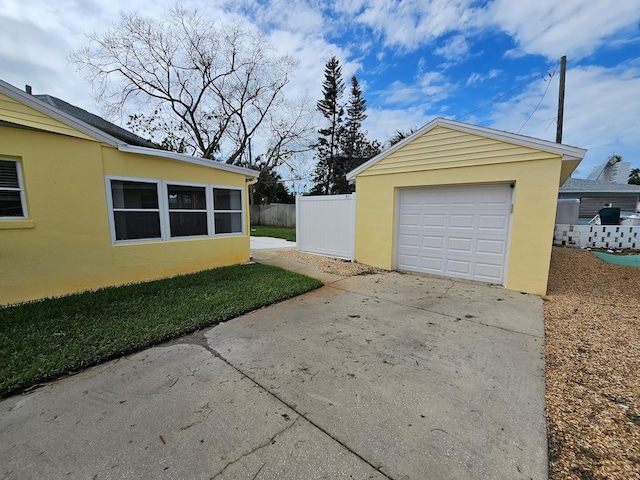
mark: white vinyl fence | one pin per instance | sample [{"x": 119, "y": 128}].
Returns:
[{"x": 325, "y": 224}]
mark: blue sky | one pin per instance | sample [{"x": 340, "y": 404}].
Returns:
[{"x": 415, "y": 59}]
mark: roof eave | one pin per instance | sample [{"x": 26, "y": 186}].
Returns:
[{"x": 247, "y": 172}]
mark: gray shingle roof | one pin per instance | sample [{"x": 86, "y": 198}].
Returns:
[
  {"x": 97, "y": 122},
  {"x": 579, "y": 185}
]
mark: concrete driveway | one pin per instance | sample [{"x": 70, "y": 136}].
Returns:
[{"x": 385, "y": 376}]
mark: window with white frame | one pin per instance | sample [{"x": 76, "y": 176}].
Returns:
[
  {"x": 12, "y": 201},
  {"x": 187, "y": 210},
  {"x": 136, "y": 210},
  {"x": 227, "y": 210},
  {"x": 147, "y": 209}
]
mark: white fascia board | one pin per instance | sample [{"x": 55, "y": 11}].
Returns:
[
  {"x": 568, "y": 152},
  {"x": 188, "y": 159},
  {"x": 31, "y": 101}
]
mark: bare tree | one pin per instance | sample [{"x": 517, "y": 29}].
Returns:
[{"x": 208, "y": 88}]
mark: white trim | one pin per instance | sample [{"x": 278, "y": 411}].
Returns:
[
  {"x": 241, "y": 211},
  {"x": 397, "y": 209},
  {"x": 164, "y": 210},
  {"x": 69, "y": 120},
  {"x": 568, "y": 152},
  {"x": 21, "y": 189},
  {"x": 168, "y": 209},
  {"x": 188, "y": 159},
  {"x": 73, "y": 122},
  {"x": 112, "y": 210}
]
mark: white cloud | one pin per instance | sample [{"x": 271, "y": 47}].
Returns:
[
  {"x": 456, "y": 48},
  {"x": 476, "y": 78},
  {"x": 410, "y": 24},
  {"x": 381, "y": 124},
  {"x": 572, "y": 27},
  {"x": 600, "y": 113}
]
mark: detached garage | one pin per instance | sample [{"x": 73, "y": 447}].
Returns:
[{"x": 463, "y": 201}]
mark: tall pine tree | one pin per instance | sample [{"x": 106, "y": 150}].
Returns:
[
  {"x": 342, "y": 145},
  {"x": 328, "y": 145}
]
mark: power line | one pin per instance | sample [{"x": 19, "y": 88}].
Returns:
[
  {"x": 541, "y": 98},
  {"x": 499, "y": 97}
]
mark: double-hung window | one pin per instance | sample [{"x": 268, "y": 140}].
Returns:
[
  {"x": 187, "y": 210},
  {"x": 136, "y": 210},
  {"x": 12, "y": 200},
  {"x": 227, "y": 210}
]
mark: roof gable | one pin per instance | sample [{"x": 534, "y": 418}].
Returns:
[
  {"x": 567, "y": 152},
  {"x": 51, "y": 108}
]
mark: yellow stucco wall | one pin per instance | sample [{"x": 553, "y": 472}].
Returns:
[
  {"x": 447, "y": 157},
  {"x": 65, "y": 244}
]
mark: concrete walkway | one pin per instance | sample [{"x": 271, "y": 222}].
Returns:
[
  {"x": 266, "y": 243},
  {"x": 386, "y": 376}
]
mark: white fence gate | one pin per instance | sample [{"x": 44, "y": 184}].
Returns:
[{"x": 325, "y": 224}]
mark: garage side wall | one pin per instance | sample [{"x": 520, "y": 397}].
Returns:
[{"x": 472, "y": 159}]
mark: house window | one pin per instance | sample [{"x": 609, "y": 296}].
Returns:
[
  {"x": 227, "y": 210},
  {"x": 12, "y": 204},
  {"x": 187, "y": 210},
  {"x": 136, "y": 210}
]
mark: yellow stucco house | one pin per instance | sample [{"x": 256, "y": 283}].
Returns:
[
  {"x": 463, "y": 201},
  {"x": 85, "y": 204}
]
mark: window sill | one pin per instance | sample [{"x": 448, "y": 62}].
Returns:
[{"x": 15, "y": 224}]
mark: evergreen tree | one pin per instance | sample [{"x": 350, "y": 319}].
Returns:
[
  {"x": 332, "y": 110},
  {"x": 342, "y": 146}
]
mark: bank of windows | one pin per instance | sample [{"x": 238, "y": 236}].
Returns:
[
  {"x": 155, "y": 210},
  {"x": 12, "y": 199}
]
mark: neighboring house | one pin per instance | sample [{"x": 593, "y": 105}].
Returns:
[
  {"x": 85, "y": 204},
  {"x": 606, "y": 184},
  {"x": 463, "y": 201}
]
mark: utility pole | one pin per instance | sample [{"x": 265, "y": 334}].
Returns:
[{"x": 563, "y": 72}]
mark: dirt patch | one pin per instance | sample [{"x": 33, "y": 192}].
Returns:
[
  {"x": 592, "y": 349},
  {"x": 336, "y": 266}
]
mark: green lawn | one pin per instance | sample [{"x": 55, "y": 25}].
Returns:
[
  {"x": 278, "y": 232},
  {"x": 43, "y": 340}
]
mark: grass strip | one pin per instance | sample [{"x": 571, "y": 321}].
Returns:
[
  {"x": 42, "y": 340},
  {"x": 278, "y": 232}
]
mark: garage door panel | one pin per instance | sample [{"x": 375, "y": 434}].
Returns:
[
  {"x": 488, "y": 272},
  {"x": 459, "y": 231},
  {"x": 459, "y": 244},
  {"x": 410, "y": 240},
  {"x": 496, "y": 247},
  {"x": 430, "y": 220},
  {"x": 433, "y": 264},
  {"x": 432, "y": 241},
  {"x": 408, "y": 262},
  {"x": 458, "y": 267},
  {"x": 493, "y": 222},
  {"x": 461, "y": 220},
  {"x": 410, "y": 219}
]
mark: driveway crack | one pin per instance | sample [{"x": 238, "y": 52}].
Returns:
[
  {"x": 202, "y": 341},
  {"x": 253, "y": 450}
]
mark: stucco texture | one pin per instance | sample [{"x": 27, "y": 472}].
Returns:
[
  {"x": 64, "y": 246},
  {"x": 444, "y": 156}
]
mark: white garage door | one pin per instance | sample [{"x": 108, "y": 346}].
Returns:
[{"x": 458, "y": 231}]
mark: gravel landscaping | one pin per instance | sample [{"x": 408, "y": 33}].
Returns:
[
  {"x": 336, "y": 266},
  {"x": 592, "y": 348}
]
